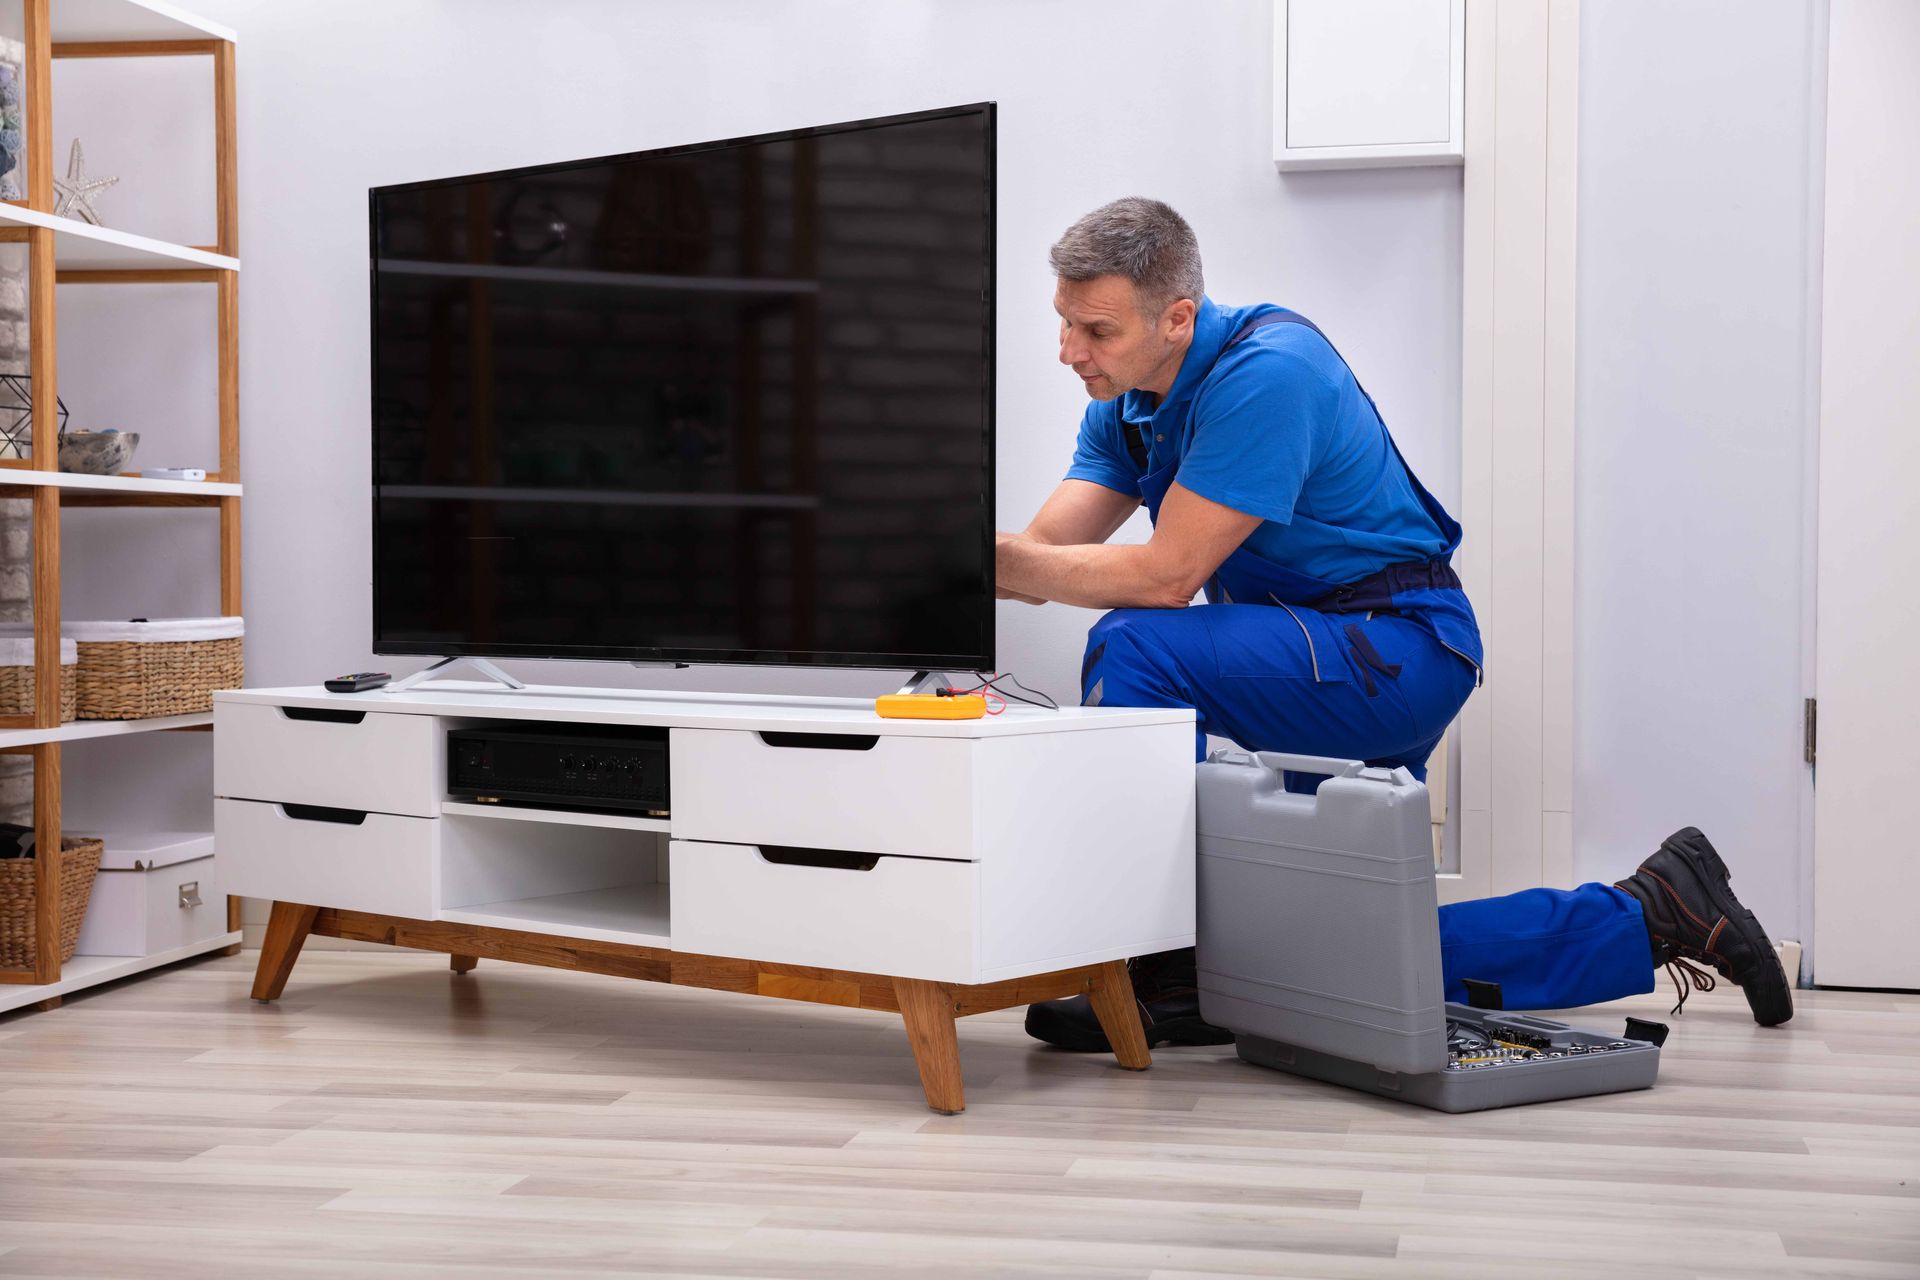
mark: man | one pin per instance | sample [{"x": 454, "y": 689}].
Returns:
[{"x": 1335, "y": 624}]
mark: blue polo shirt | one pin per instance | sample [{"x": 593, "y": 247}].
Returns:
[{"x": 1275, "y": 427}]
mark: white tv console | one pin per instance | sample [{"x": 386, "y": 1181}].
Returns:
[{"x": 1020, "y": 857}]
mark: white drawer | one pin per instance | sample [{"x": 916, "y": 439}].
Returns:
[
  {"x": 139, "y": 913},
  {"x": 382, "y": 863},
  {"x": 382, "y": 762},
  {"x": 906, "y": 917},
  {"x": 889, "y": 794}
]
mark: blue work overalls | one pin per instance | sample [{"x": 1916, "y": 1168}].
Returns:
[{"x": 1374, "y": 670}]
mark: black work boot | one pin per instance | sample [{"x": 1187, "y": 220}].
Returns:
[
  {"x": 1168, "y": 993},
  {"x": 1692, "y": 914}
]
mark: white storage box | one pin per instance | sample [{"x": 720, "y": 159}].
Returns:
[{"x": 155, "y": 891}]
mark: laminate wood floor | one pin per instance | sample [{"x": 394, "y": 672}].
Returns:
[{"x": 389, "y": 1119}]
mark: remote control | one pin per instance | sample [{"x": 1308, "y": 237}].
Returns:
[{"x": 359, "y": 682}]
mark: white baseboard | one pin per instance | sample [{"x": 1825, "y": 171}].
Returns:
[{"x": 1789, "y": 952}]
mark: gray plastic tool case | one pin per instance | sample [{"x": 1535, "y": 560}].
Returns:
[{"x": 1319, "y": 947}]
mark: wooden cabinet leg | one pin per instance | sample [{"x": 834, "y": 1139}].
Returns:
[
  {"x": 233, "y": 924},
  {"x": 928, "y": 1010},
  {"x": 1119, "y": 1015},
  {"x": 49, "y": 1004},
  {"x": 463, "y": 964},
  {"x": 287, "y": 930}
]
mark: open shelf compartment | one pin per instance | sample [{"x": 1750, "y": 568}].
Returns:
[
  {"x": 631, "y": 913},
  {"x": 553, "y": 874}
]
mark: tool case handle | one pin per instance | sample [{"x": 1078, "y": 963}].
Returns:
[{"x": 1332, "y": 766}]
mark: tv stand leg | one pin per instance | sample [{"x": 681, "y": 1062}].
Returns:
[
  {"x": 1119, "y": 1014},
  {"x": 425, "y": 674},
  {"x": 928, "y": 1009},
  {"x": 463, "y": 964},
  {"x": 287, "y": 930}
]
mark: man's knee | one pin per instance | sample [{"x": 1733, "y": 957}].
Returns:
[{"x": 1128, "y": 654}]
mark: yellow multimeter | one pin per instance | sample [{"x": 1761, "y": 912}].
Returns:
[{"x": 930, "y": 706}]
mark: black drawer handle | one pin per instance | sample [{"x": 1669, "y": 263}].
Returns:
[
  {"x": 820, "y": 741},
  {"x": 326, "y": 715},
  {"x": 322, "y": 813},
  {"x": 787, "y": 855}
]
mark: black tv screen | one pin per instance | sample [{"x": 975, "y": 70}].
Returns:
[{"x": 730, "y": 402}]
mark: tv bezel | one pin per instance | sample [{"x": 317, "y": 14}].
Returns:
[{"x": 985, "y": 661}]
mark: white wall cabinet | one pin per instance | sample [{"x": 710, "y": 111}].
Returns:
[{"x": 1367, "y": 83}]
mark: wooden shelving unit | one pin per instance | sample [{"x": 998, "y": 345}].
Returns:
[{"x": 71, "y": 252}]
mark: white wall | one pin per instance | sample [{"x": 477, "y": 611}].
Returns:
[
  {"x": 336, "y": 97},
  {"x": 1699, "y": 130},
  {"x": 1694, "y": 346}
]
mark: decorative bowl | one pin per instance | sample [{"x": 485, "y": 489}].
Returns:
[{"x": 97, "y": 453}]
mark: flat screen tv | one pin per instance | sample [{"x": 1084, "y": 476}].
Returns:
[{"x": 729, "y": 402}]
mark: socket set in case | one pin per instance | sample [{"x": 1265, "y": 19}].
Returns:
[{"x": 1319, "y": 948}]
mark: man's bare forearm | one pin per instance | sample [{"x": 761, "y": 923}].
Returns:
[{"x": 1090, "y": 575}]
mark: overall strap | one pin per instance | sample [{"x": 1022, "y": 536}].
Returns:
[
  {"x": 1137, "y": 440},
  {"x": 1428, "y": 502}
]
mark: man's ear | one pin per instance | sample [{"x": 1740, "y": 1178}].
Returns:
[{"x": 1177, "y": 320}]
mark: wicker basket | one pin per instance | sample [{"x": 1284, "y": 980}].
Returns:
[
  {"x": 134, "y": 670},
  {"x": 79, "y": 860},
  {"x": 16, "y": 677}
]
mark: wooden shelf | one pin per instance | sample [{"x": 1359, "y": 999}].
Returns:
[
  {"x": 80, "y": 247},
  {"x": 635, "y": 914},
  {"x": 77, "y": 730},
  {"x": 560, "y": 817},
  {"x": 115, "y": 21},
  {"x": 82, "y": 972},
  {"x": 113, "y": 491}
]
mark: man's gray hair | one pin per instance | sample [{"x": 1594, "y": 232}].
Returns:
[{"x": 1140, "y": 239}]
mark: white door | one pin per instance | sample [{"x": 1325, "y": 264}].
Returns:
[{"x": 1866, "y": 826}]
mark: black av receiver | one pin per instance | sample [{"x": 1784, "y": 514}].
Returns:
[{"x": 573, "y": 766}]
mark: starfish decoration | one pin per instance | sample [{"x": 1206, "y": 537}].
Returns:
[{"x": 74, "y": 193}]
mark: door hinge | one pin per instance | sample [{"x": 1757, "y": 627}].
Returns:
[{"x": 1810, "y": 738}]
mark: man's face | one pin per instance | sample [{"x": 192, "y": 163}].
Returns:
[{"x": 1113, "y": 347}]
